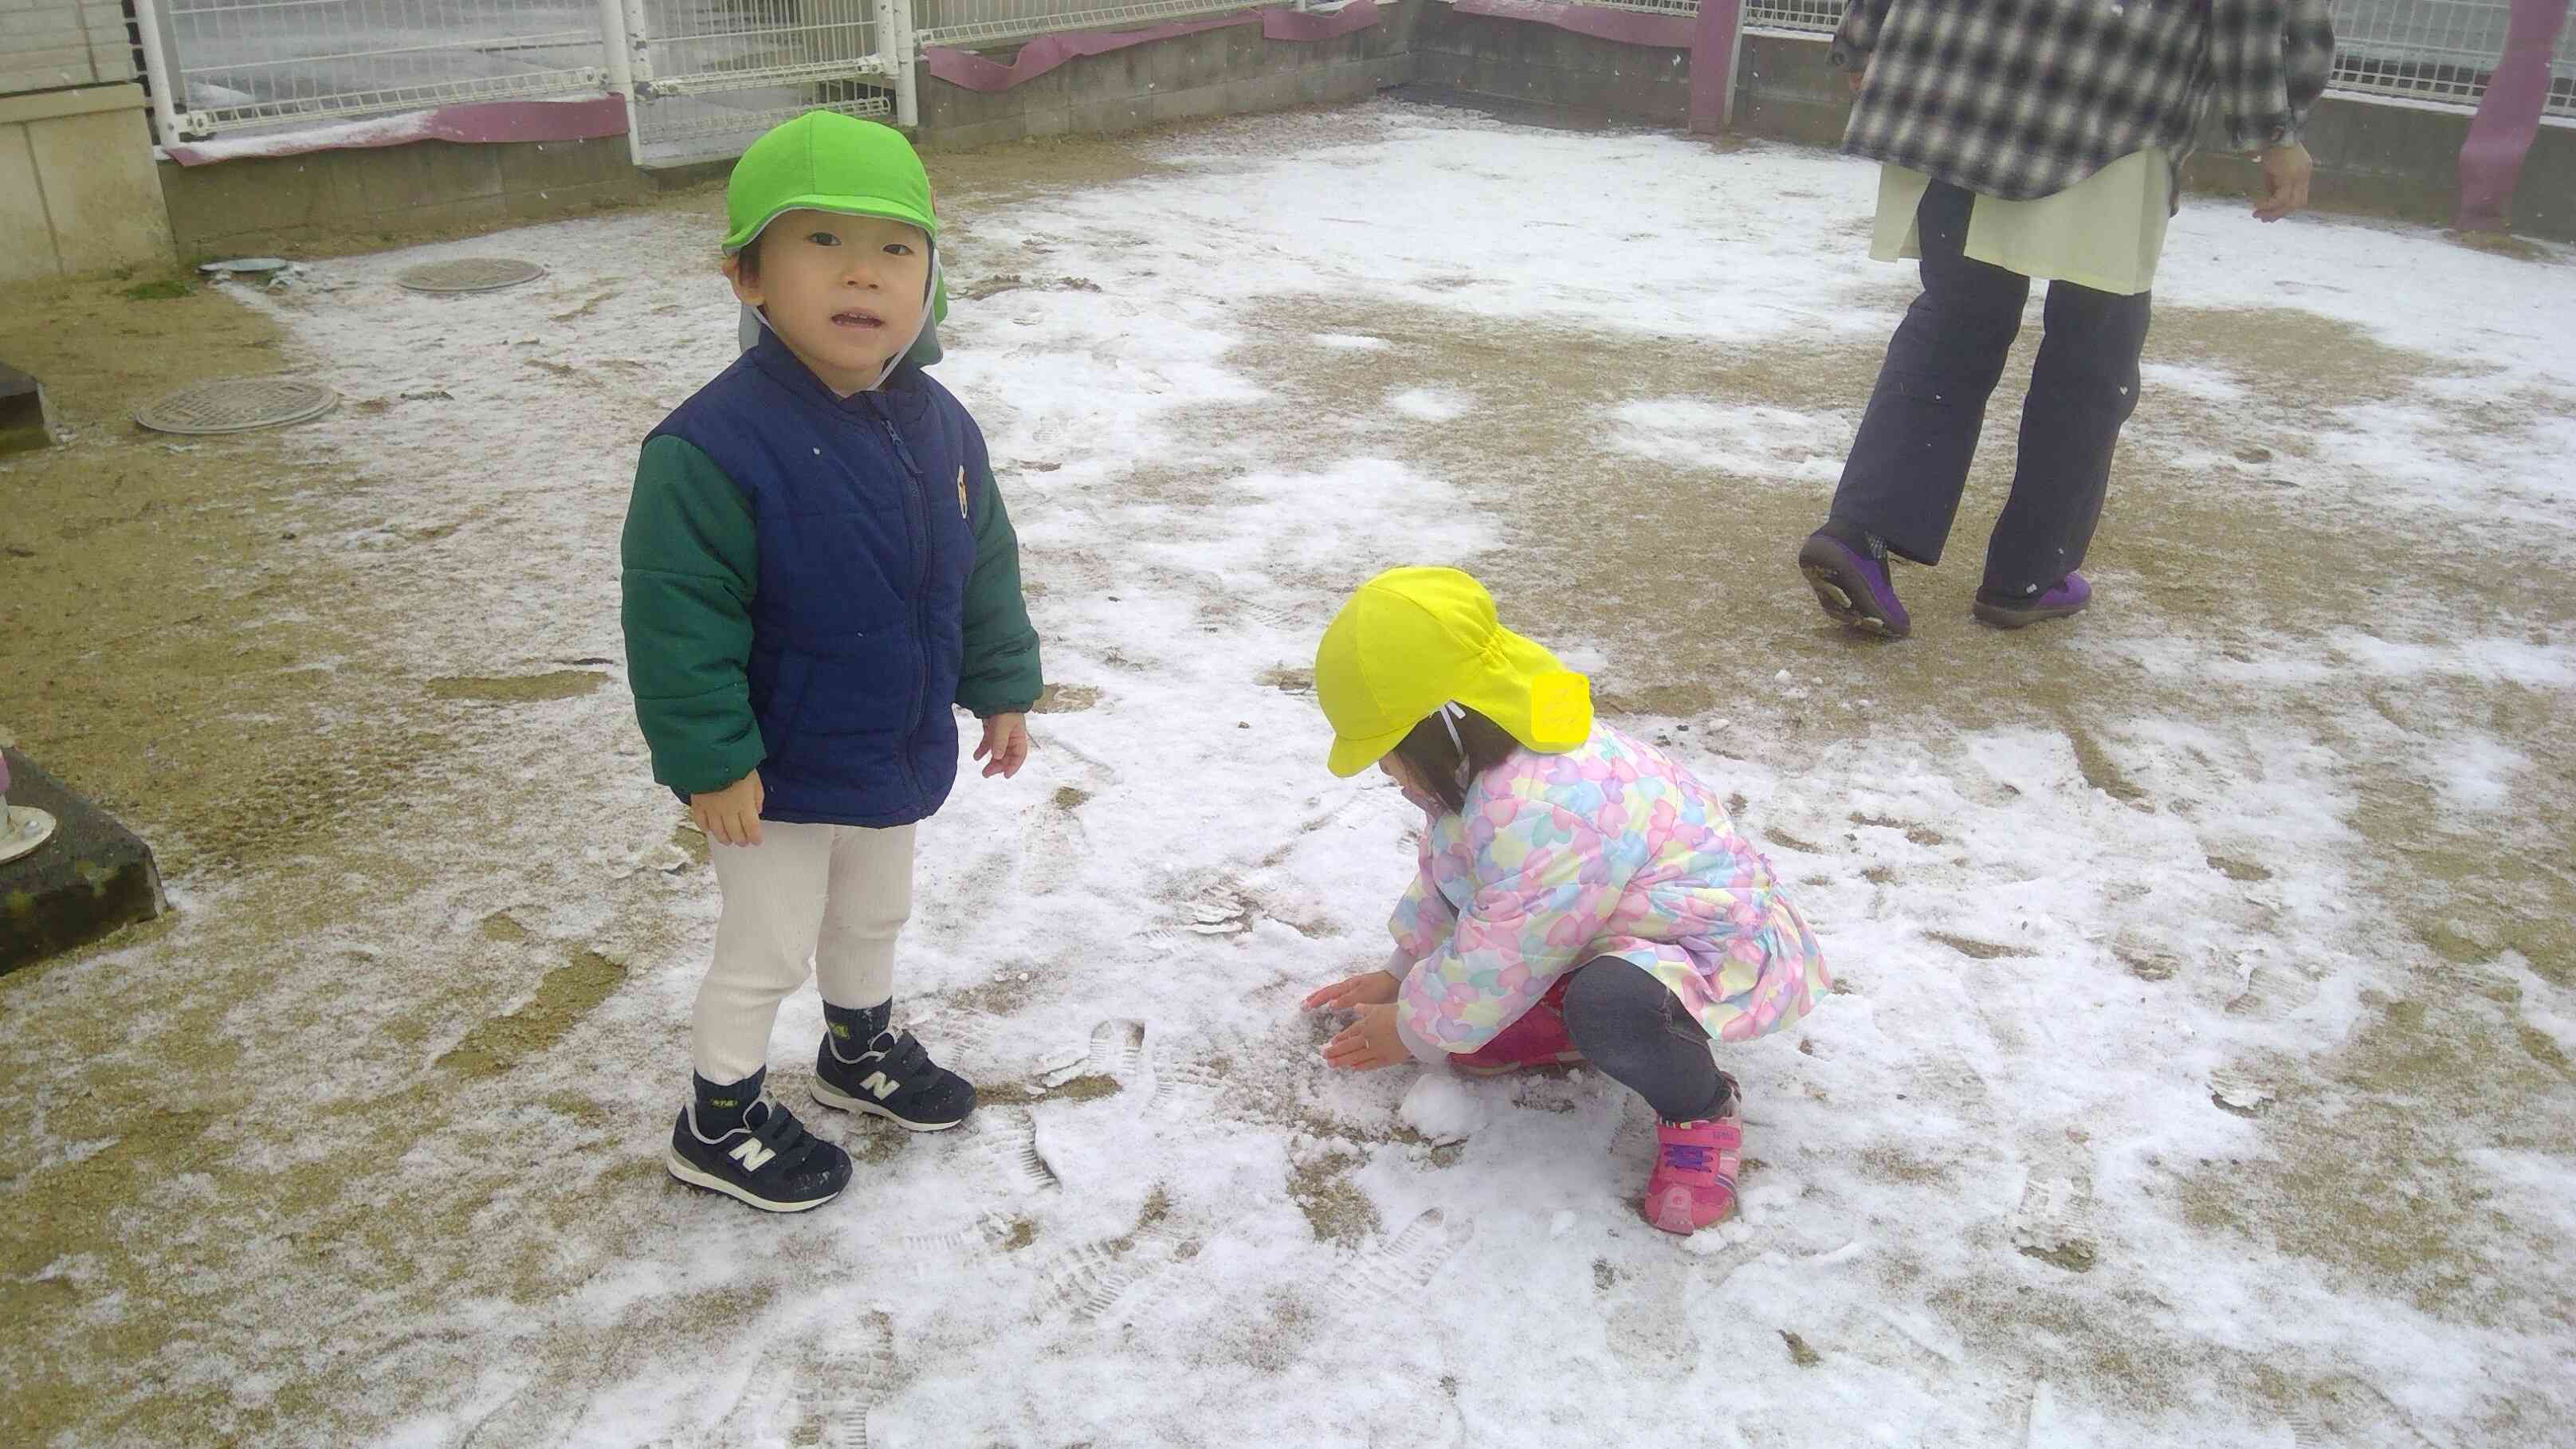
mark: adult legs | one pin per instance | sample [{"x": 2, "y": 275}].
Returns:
[
  {"x": 1909, "y": 464},
  {"x": 2082, "y": 389}
]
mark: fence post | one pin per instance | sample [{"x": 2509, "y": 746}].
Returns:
[
  {"x": 1715, "y": 41},
  {"x": 158, "y": 72},
  {"x": 617, "y": 55},
  {"x": 895, "y": 53},
  {"x": 2508, "y": 115},
  {"x": 635, "y": 31}
]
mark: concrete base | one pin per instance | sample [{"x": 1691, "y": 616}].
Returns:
[
  {"x": 77, "y": 190},
  {"x": 93, "y": 878},
  {"x": 1535, "y": 64},
  {"x": 1228, "y": 71},
  {"x": 390, "y": 193}
]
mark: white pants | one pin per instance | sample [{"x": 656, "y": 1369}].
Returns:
[{"x": 833, "y": 895}]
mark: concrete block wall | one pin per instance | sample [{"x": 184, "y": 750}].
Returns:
[
  {"x": 1518, "y": 60},
  {"x": 274, "y": 203},
  {"x": 77, "y": 189},
  {"x": 1230, "y": 70},
  {"x": 55, "y": 44}
]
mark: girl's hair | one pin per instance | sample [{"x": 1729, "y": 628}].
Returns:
[{"x": 1436, "y": 762}]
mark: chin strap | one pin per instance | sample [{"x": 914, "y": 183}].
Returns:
[{"x": 929, "y": 295}]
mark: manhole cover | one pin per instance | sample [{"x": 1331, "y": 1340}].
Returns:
[
  {"x": 237, "y": 405},
  {"x": 470, "y": 274}
]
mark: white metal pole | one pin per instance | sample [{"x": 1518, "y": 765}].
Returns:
[
  {"x": 634, "y": 35},
  {"x": 617, "y": 55},
  {"x": 895, "y": 53},
  {"x": 158, "y": 71}
]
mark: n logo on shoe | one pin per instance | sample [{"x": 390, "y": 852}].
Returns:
[
  {"x": 751, "y": 1154},
  {"x": 877, "y": 1082}
]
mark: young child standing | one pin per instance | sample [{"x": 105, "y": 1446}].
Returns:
[
  {"x": 817, "y": 567},
  {"x": 1580, "y": 897}
]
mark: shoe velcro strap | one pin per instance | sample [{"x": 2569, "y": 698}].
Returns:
[
  {"x": 1688, "y": 1157},
  {"x": 903, "y": 1059},
  {"x": 785, "y": 1136}
]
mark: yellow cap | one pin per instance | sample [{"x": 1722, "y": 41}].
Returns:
[{"x": 1411, "y": 640}]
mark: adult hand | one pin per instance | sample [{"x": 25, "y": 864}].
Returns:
[
  {"x": 1857, "y": 78},
  {"x": 1369, "y": 988},
  {"x": 1368, "y": 1043},
  {"x": 730, "y": 816},
  {"x": 1006, "y": 741},
  {"x": 2286, "y": 173}
]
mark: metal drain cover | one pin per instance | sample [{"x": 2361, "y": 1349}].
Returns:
[
  {"x": 470, "y": 274},
  {"x": 237, "y": 405}
]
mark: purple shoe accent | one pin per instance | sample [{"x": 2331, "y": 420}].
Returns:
[
  {"x": 2066, "y": 598},
  {"x": 1853, "y": 587}
]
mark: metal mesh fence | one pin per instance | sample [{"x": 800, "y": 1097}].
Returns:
[
  {"x": 703, "y": 45},
  {"x": 714, "y": 74},
  {"x": 716, "y": 68},
  {"x": 2435, "y": 50},
  {"x": 246, "y": 62},
  {"x": 1818, "y": 15}
]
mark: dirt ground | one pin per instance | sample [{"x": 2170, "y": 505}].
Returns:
[{"x": 175, "y": 654}]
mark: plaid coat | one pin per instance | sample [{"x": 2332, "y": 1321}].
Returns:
[{"x": 2019, "y": 99}]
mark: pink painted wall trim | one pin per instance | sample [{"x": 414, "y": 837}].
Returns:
[{"x": 487, "y": 121}]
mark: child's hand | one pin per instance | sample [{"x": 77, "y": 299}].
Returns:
[
  {"x": 1006, "y": 739},
  {"x": 730, "y": 816},
  {"x": 1368, "y": 1043},
  {"x": 1369, "y": 988}
]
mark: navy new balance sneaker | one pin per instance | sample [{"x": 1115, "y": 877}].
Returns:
[
  {"x": 769, "y": 1161},
  {"x": 894, "y": 1079}
]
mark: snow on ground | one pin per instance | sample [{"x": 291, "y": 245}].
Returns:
[{"x": 2087, "y": 969}]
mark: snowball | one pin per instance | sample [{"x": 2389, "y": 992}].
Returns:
[{"x": 1442, "y": 1109}]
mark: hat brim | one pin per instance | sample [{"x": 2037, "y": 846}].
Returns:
[
  {"x": 838, "y": 206},
  {"x": 1350, "y": 756}
]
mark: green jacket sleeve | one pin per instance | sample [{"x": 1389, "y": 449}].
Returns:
[
  {"x": 1001, "y": 674},
  {"x": 690, "y": 555}
]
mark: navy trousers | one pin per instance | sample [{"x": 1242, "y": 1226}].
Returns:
[{"x": 1910, "y": 463}]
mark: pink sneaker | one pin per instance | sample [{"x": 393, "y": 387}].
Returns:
[
  {"x": 1537, "y": 1038},
  {"x": 1693, "y": 1185}
]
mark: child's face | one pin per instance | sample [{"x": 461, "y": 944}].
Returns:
[{"x": 845, "y": 293}]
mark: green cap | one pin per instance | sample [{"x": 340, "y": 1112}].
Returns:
[{"x": 825, "y": 161}]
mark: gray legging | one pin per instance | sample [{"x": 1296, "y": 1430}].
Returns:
[{"x": 1625, "y": 1023}]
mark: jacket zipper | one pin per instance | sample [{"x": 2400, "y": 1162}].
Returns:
[{"x": 918, "y": 515}]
